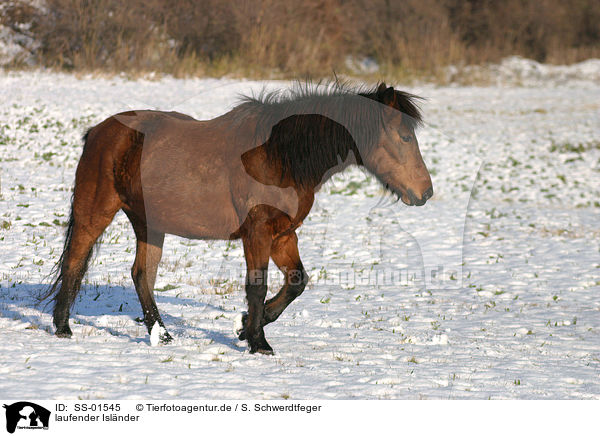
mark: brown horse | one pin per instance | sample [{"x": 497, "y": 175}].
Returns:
[{"x": 251, "y": 173}]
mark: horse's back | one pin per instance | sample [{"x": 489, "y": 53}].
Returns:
[
  {"x": 184, "y": 176},
  {"x": 170, "y": 169}
]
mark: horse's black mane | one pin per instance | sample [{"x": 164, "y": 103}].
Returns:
[{"x": 310, "y": 128}]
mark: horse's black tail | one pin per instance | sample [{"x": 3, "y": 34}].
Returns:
[{"x": 57, "y": 272}]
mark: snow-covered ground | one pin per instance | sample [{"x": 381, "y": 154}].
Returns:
[
  {"x": 516, "y": 70},
  {"x": 515, "y": 314}
]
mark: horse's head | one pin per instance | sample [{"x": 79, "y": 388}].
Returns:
[{"x": 396, "y": 160}]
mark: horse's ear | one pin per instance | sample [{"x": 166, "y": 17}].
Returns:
[
  {"x": 381, "y": 88},
  {"x": 389, "y": 97}
]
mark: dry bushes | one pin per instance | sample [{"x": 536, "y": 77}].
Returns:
[
  {"x": 305, "y": 37},
  {"x": 545, "y": 30},
  {"x": 102, "y": 34}
]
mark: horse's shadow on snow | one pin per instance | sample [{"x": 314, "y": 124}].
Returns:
[{"x": 21, "y": 302}]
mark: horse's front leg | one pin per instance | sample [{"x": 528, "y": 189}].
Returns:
[
  {"x": 257, "y": 247},
  {"x": 284, "y": 252}
]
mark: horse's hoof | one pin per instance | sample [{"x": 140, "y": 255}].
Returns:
[
  {"x": 159, "y": 335},
  {"x": 240, "y": 326},
  {"x": 261, "y": 346},
  {"x": 262, "y": 350},
  {"x": 63, "y": 332}
]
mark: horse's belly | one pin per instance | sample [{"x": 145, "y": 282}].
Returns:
[
  {"x": 191, "y": 204},
  {"x": 197, "y": 216}
]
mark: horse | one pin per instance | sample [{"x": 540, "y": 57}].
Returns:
[{"x": 250, "y": 174}]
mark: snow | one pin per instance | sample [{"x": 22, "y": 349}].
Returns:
[
  {"x": 513, "y": 231},
  {"x": 361, "y": 65},
  {"x": 516, "y": 70},
  {"x": 155, "y": 334}
]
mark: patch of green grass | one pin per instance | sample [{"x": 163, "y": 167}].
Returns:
[
  {"x": 47, "y": 156},
  {"x": 351, "y": 188},
  {"x": 567, "y": 147},
  {"x": 167, "y": 287}
]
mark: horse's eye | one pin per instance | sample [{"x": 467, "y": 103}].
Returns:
[{"x": 406, "y": 138}]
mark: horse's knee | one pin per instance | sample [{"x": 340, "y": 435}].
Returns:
[{"x": 297, "y": 281}]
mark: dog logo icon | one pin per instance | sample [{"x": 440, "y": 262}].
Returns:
[{"x": 26, "y": 415}]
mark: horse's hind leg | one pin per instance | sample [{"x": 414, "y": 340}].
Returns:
[
  {"x": 144, "y": 270},
  {"x": 284, "y": 253},
  {"x": 89, "y": 218}
]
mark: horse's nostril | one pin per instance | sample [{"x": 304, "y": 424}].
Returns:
[
  {"x": 428, "y": 194},
  {"x": 412, "y": 198}
]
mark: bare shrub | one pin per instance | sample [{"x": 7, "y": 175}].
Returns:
[{"x": 304, "y": 37}]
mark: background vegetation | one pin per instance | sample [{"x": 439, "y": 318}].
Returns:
[{"x": 301, "y": 37}]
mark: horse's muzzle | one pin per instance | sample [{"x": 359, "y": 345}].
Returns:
[{"x": 414, "y": 201}]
